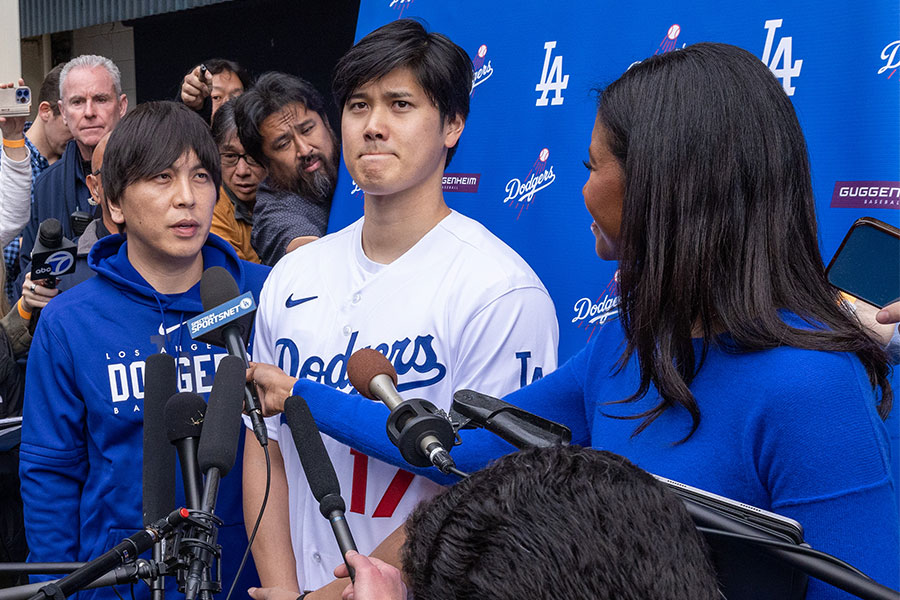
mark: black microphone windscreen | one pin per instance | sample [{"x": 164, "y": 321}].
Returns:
[
  {"x": 316, "y": 462},
  {"x": 184, "y": 416},
  {"x": 222, "y": 424},
  {"x": 50, "y": 233},
  {"x": 158, "y": 471},
  {"x": 218, "y": 287}
]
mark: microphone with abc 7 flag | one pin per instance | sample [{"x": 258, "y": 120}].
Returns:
[
  {"x": 52, "y": 257},
  {"x": 227, "y": 323}
]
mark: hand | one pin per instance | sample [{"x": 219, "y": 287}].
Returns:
[
  {"x": 11, "y": 127},
  {"x": 274, "y": 386},
  {"x": 889, "y": 314},
  {"x": 37, "y": 298},
  {"x": 272, "y": 593},
  {"x": 375, "y": 579},
  {"x": 194, "y": 88}
]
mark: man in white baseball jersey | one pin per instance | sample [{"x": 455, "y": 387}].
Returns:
[{"x": 449, "y": 304}]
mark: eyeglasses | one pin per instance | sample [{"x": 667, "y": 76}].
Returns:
[{"x": 230, "y": 159}]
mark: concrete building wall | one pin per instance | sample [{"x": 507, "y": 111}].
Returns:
[{"x": 114, "y": 41}]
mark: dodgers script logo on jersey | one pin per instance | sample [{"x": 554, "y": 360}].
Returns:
[
  {"x": 591, "y": 314},
  {"x": 520, "y": 194},
  {"x": 891, "y": 54},
  {"x": 417, "y": 357}
]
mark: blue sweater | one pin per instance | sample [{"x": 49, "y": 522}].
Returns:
[
  {"x": 82, "y": 425},
  {"x": 792, "y": 431}
]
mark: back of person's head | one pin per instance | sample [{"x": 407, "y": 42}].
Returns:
[
  {"x": 719, "y": 207},
  {"x": 223, "y": 123},
  {"x": 91, "y": 61},
  {"x": 216, "y": 66},
  {"x": 560, "y": 522},
  {"x": 149, "y": 140},
  {"x": 271, "y": 93},
  {"x": 441, "y": 68},
  {"x": 49, "y": 91}
]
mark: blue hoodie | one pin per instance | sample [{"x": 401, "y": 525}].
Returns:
[{"x": 82, "y": 424}]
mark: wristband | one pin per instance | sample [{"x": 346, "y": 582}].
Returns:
[
  {"x": 22, "y": 312},
  {"x": 14, "y": 143}
]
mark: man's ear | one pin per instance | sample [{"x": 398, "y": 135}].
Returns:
[
  {"x": 45, "y": 111},
  {"x": 123, "y": 105},
  {"x": 453, "y": 128},
  {"x": 62, "y": 112},
  {"x": 115, "y": 213}
]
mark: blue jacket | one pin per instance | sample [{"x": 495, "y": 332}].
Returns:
[
  {"x": 82, "y": 434},
  {"x": 58, "y": 192}
]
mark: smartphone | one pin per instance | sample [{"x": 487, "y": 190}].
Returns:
[
  {"x": 867, "y": 263},
  {"x": 15, "y": 102}
]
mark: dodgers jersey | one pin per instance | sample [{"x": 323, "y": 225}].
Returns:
[{"x": 460, "y": 309}]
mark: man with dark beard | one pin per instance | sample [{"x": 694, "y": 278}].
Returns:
[{"x": 282, "y": 124}]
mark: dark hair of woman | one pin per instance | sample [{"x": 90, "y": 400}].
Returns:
[{"x": 718, "y": 233}]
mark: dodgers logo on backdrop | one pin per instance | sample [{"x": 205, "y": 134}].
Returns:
[
  {"x": 670, "y": 40},
  {"x": 866, "y": 194},
  {"x": 783, "y": 56},
  {"x": 355, "y": 190},
  {"x": 552, "y": 78},
  {"x": 891, "y": 54},
  {"x": 481, "y": 69},
  {"x": 400, "y": 5},
  {"x": 520, "y": 192},
  {"x": 590, "y": 314}
]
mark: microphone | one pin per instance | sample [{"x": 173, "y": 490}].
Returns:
[
  {"x": 415, "y": 426},
  {"x": 520, "y": 428},
  {"x": 52, "y": 256},
  {"x": 158, "y": 471},
  {"x": 227, "y": 323},
  {"x": 216, "y": 455},
  {"x": 184, "y": 422},
  {"x": 319, "y": 472}
]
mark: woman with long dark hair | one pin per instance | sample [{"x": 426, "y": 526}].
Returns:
[{"x": 734, "y": 367}]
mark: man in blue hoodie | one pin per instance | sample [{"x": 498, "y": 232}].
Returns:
[{"x": 82, "y": 424}]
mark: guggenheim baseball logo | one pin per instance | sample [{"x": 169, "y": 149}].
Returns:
[
  {"x": 866, "y": 194},
  {"x": 520, "y": 193},
  {"x": 466, "y": 183}
]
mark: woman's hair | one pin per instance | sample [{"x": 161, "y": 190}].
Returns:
[{"x": 718, "y": 225}]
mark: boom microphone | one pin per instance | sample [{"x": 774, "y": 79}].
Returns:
[
  {"x": 319, "y": 472},
  {"x": 414, "y": 425},
  {"x": 216, "y": 454},
  {"x": 218, "y": 290},
  {"x": 184, "y": 423},
  {"x": 158, "y": 471},
  {"x": 520, "y": 428}
]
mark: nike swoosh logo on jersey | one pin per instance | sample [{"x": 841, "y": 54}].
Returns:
[{"x": 291, "y": 303}]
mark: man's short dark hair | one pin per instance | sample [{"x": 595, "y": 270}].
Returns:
[
  {"x": 270, "y": 94},
  {"x": 560, "y": 522},
  {"x": 221, "y": 65},
  {"x": 223, "y": 124},
  {"x": 149, "y": 140},
  {"x": 49, "y": 91},
  {"x": 441, "y": 68}
]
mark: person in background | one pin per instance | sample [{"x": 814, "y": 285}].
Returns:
[
  {"x": 241, "y": 175},
  {"x": 28, "y": 150},
  {"x": 282, "y": 124},
  {"x": 91, "y": 102},
  {"x": 205, "y": 92}
]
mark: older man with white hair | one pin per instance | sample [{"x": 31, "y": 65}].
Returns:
[{"x": 91, "y": 102}]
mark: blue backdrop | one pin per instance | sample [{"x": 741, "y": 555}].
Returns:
[{"x": 519, "y": 165}]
